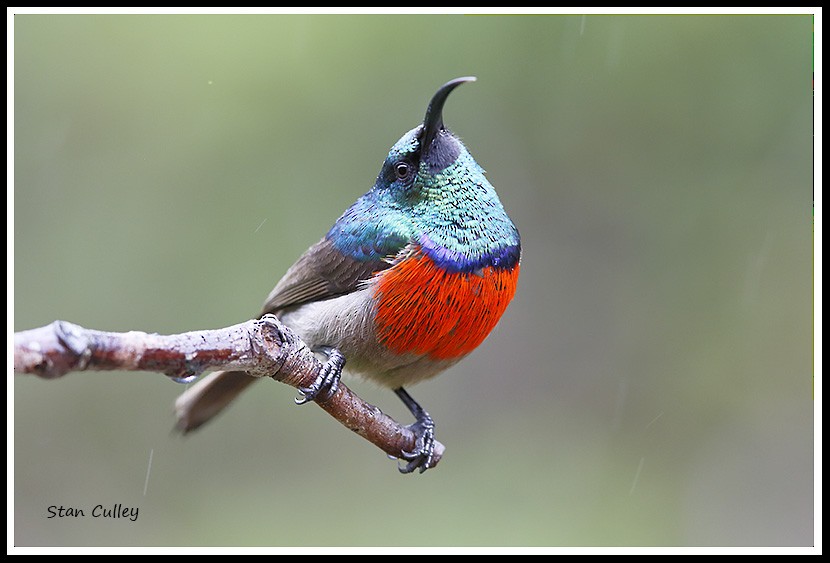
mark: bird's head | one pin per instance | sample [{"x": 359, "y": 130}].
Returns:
[{"x": 422, "y": 160}]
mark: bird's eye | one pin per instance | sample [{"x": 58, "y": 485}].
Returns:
[{"x": 402, "y": 170}]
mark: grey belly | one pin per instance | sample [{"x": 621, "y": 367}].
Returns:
[{"x": 347, "y": 323}]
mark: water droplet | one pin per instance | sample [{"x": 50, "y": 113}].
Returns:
[{"x": 184, "y": 380}]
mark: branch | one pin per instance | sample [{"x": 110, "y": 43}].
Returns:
[{"x": 263, "y": 348}]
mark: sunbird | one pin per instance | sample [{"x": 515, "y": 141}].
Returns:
[{"x": 409, "y": 280}]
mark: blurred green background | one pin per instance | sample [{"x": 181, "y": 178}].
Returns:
[{"x": 651, "y": 383}]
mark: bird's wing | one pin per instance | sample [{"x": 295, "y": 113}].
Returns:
[{"x": 320, "y": 273}]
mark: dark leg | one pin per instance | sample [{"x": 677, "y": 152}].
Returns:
[
  {"x": 421, "y": 457},
  {"x": 325, "y": 386}
]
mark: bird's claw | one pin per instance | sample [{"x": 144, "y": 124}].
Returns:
[
  {"x": 327, "y": 381},
  {"x": 421, "y": 456}
]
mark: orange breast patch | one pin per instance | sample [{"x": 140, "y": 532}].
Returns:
[{"x": 424, "y": 309}]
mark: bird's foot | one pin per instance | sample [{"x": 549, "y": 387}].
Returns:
[
  {"x": 421, "y": 456},
  {"x": 328, "y": 379}
]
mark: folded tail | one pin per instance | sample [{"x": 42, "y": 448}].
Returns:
[{"x": 208, "y": 397}]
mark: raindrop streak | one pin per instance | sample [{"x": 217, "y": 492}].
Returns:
[
  {"x": 655, "y": 419},
  {"x": 260, "y": 225},
  {"x": 755, "y": 266},
  {"x": 582, "y": 25},
  {"x": 636, "y": 476},
  {"x": 147, "y": 478},
  {"x": 619, "y": 404},
  {"x": 615, "y": 42}
]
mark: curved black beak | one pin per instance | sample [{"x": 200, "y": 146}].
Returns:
[{"x": 434, "y": 120}]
